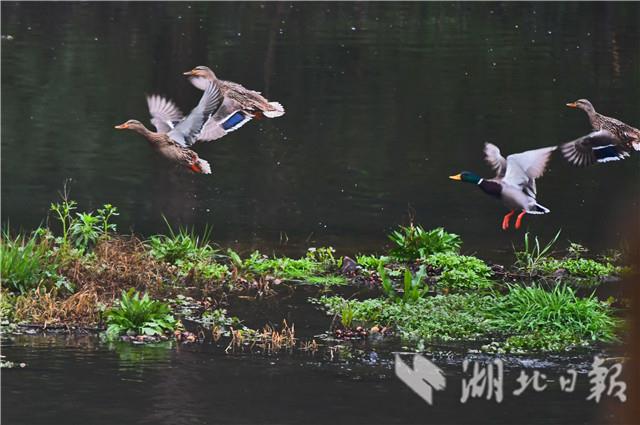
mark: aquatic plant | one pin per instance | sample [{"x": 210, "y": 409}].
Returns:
[
  {"x": 285, "y": 268},
  {"x": 530, "y": 309},
  {"x": 413, "y": 242},
  {"x": 327, "y": 280},
  {"x": 525, "y": 319},
  {"x": 533, "y": 254},
  {"x": 460, "y": 272},
  {"x": 181, "y": 245},
  {"x": 27, "y": 262},
  {"x": 371, "y": 262},
  {"x": 579, "y": 267},
  {"x": 139, "y": 315},
  {"x": 346, "y": 315}
]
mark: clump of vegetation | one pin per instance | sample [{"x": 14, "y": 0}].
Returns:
[
  {"x": 414, "y": 286},
  {"x": 525, "y": 319},
  {"x": 413, "y": 242},
  {"x": 25, "y": 262},
  {"x": 580, "y": 267},
  {"x": 533, "y": 254},
  {"x": 371, "y": 262},
  {"x": 536, "y": 259},
  {"x": 45, "y": 307},
  {"x": 190, "y": 253},
  {"x": 139, "y": 315},
  {"x": 461, "y": 272},
  {"x": 551, "y": 320},
  {"x": 314, "y": 267}
]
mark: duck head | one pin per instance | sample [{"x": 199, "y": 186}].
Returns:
[
  {"x": 201, "y": 71},
  {"x": 583, "y": 104},
  {"x": 134, "y": 125},
  {"x": 466, "y": 176}
]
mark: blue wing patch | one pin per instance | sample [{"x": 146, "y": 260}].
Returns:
[{"x": 233, "y": 120}]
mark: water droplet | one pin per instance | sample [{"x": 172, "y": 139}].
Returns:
[
  {"x": 353, "y": 28},
  {"x": 516, "y": 26}
]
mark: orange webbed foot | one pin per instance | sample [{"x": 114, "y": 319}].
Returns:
[
  {"x": 519, "y": 219},
  {"x": 506, "y": 218}
]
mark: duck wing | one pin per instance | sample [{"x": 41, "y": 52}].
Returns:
[
  {"x": 495, "y": 159},
  {"x": 164, "y": 113},
  {"x": 524, "y": 168},
  {"x": 597, "y": 146},
  {"x": 186, "y": 132}
]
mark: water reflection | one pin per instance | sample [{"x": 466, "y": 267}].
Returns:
[{"x": 383, "y": 103}]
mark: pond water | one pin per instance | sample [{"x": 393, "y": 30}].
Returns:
[
  {"x": 384, "y": 101},
  {"x": 85, "y": 380}
]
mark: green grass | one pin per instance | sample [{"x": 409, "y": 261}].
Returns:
[
  {"x": 27, "y": 262},
  {"x": 181, "y": 245},
  {"x": 413, "y": 242},
  {"x": 139, "y": 315},
  {"x": 533, "y": 254},
  {"x": 461, "y": 272},
  {"x": 371, "y": 262},
  {"x": 525, "y": 319},
  {"x": 580, "y": 267},
  {"x": 312, "y": 268}
]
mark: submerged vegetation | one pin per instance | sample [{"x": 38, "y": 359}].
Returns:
[{"x": 80, "y": 272}]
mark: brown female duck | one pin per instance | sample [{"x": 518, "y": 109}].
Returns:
[
  {"x": 176, "y": 134},
  {"x": 239, "y": 106},
  {"x": 611, "y": 139}
]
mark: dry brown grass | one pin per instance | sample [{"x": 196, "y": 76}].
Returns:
[
  {"x": 45, "y": 308},
  {"x": 120, "y": 263}
]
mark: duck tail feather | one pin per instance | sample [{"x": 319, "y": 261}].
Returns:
[
  {"x": 608, "y": 153},
  {"x": 277, "y": 111},
  {"x": 538, "y": 209}
]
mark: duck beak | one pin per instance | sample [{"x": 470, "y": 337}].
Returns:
[
  {"x": 192, "y": 72},
  {"x": 572, "y": 105},
  {"x": 121, "y": 126},
  {"x": 456, "y": 177}
]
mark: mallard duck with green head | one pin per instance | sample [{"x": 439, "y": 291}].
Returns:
[
  {"x": 515, "y": 180},
  {"x": 611, "y": 139}
]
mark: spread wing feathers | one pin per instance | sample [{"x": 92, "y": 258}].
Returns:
[
  {"x": 187, "y": 130},
  {"x": 164, "y": 113},
  {"x": 495, "y": 159},
  {"x": 200, "y": 83},
  {"x": 524, "y": 168},
  {"x": 229, "y": 117},
  {"x": 597, "y": 146}
]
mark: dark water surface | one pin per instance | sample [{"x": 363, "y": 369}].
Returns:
[
  {"x": 82, "y": 380},
  {"x": 384, "y": 101}
]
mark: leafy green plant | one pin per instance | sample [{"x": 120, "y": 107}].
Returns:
[
  {"x": 533, "y": 254},
  {"x": 63, "y": 212},
  {"x": 322, "y": 255},
  {"x": 85, "y": 230},
  {"x": 370, "y": 262},
  {"x": 283, "y": 267},
  {"x": 139, "y": 315},
  {"x": 181, "y": 245},
  {"x": 346, "y": 315},
  {"x": 461, "y": 272},
  {"x": 579, "y": 267},
  {"x": 414, "y": 287},
  {"x": 26, "y": 262},
  {"x": 327, "y": 280},
  {"x": 414, "y": 242},
  {"x": 104, "y": 214}
]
